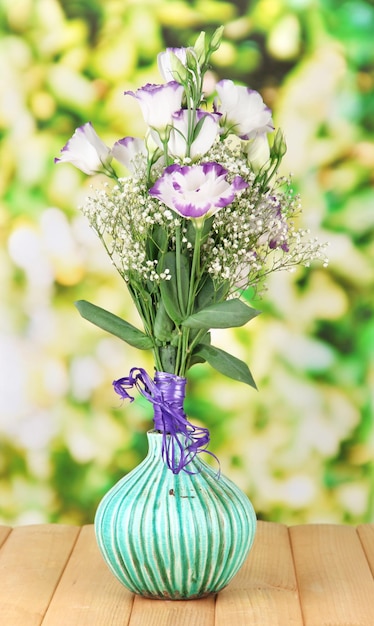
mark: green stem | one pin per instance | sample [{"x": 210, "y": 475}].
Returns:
[
  {"x": 165, "y": 143},
  {"x": 190, "y": 130},
  {"x": 157, "y": 358},
  {"x": 180, "y": 354},
  {"x": 184, "y": 349},
  {"x": 195, "y": 341},
  {"x": 195, "y": 272},
  {"x": 178, "y": 266}
]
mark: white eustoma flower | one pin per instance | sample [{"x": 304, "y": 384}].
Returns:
[
  {"x": 258, "y": 151},
  {"x": 243, "y": 110},
  {"x": 167, "y": 64},
  {"x": 196, "y": 191},
  {"x": 86, "y": 151},
  {"x": 126, "y": 151},
  {"x": 158, "y": 103},
  {"x": 184, "y": 123}
]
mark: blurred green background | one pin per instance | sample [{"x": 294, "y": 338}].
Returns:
[{"x": 302, "y": 446}]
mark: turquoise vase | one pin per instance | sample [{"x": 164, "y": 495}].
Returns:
[{"x": 174, "y": 536}]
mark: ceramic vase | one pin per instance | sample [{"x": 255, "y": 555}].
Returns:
[{"x": 173, "y": 535}]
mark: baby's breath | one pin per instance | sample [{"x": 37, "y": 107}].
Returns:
[
  {"x": 200, "y": 218},
  {"x": 248, "y": 240},
  {"x": 123, "y": 217}
]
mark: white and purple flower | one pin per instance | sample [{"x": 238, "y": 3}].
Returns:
[
  {"x": 196, "y": 191},
  {"x": 243, "y": 110},
  {"x": 185, "y": 124},
  {"x": 127, "y": 150},
  {"x": 158, "y": 103},
  {"x": 86, "y": 151},
  {"x": 170, "y": 62},
  {"x": 277, "y": 233}
]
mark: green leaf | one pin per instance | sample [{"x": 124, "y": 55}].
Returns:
[
  {"x": 156, "y": 243},
  {"x": 114, "y": 325},
  {"x": 208, "y": 294},
  {"x": 174, "y": 299},
  {"x": 226, "y": 364},
  {"x": 168, "y": 358},
  {"x": 163, "y": 325},
  {"x": 196, "y": 357},
  {"x": 226, "y": 314}
]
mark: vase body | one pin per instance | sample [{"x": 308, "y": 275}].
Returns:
[{"x": 174, "y": 536}]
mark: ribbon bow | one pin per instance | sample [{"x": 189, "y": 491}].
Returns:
[{"x": 177, "y": 451}]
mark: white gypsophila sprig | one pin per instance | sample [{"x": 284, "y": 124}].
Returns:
[
  {"x": 123, "y": 217},
  {"x": 256, "y": 235}
]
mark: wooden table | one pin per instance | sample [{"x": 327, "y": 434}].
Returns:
[{"x": 310, "y": 575}]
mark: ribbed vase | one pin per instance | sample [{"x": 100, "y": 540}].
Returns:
[{"x": 174, "y": 536}]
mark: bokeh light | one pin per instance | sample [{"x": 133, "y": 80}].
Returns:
[{"x": 302, "y": 447}]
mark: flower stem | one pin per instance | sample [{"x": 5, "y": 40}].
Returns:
[
  {"x": 195, "y": 272},
  {"x": 178, "y": 265}
]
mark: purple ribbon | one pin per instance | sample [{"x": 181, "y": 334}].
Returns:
[{"x": 167, "y": 393}]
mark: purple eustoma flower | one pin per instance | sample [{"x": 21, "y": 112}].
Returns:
[
  {"x": 196, "y": 191},
  {"x": 243, "y": 110},
  {"x": 277, "y": 235},
  {"x": 158, "y": 103},
  {"x": 126, "y": 151},
  {"x": 86, "y": 151}
]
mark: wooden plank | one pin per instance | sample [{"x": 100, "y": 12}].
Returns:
[
  {"x": 366, "y": 534},
  {"x": 264, "y": 592},
  {"x": 4, "y": 532},
  {"x": 335, "y": 583},
  {"x": 88, "y": 594},
  {"x": 31, "y": 562},
  {"x": 173, "y": 612}
]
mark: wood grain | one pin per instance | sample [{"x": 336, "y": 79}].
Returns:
[
  {"x": 173, "y": 612},
  {"x": 335, "y": 582},
  {"x": 310, "y": 575},
  {"x": 4, "y": 532},
  {"x": 88, "y": 594},
  {"x": 31, "y": 563},
  {"x": 366, "y": 535},
  {"x": 264, "y": 592}
]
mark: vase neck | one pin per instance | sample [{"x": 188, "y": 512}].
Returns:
[
  {"x": 167, "y": 392},
  {"x": 173, "y": 392}
]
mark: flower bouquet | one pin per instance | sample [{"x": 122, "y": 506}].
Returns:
[{"x": 193, "y": 228}]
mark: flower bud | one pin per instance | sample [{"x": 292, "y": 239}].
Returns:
[
  {"x": 258, "y": 152},
  {"x": 279, "y": 148},
  {"x": 192, "y": 61},
  {"x": 177, "y": 68},
  {"x": 216, "y": 39},
  {"x": 199, "y": 48}
]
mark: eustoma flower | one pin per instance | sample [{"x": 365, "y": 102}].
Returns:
[
  {"x": 158, "y": 103},
  {"x": 126, "y": 151},
  {"x": 168, "y": 63},
  {"x": 243, "y": 110},
  {"x": 196, "y": 191},
  {"x": 86, "y": 151},
  {"x": 181, "y": 267},
  {"x": 185, "y": 121},
  {"x": 258, "y": 151}
]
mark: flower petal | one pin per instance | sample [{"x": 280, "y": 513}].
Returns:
[
  {"x": 86, "y": 151},
  {"x": 126, "y": 151},
  {"x": 158, "y": 103},
  {"x": 258, "y": 151},
  {"x": 196, "y": 191},
  {"x": 167, "y": 62},
  {"x": 243, "y": 110}
]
